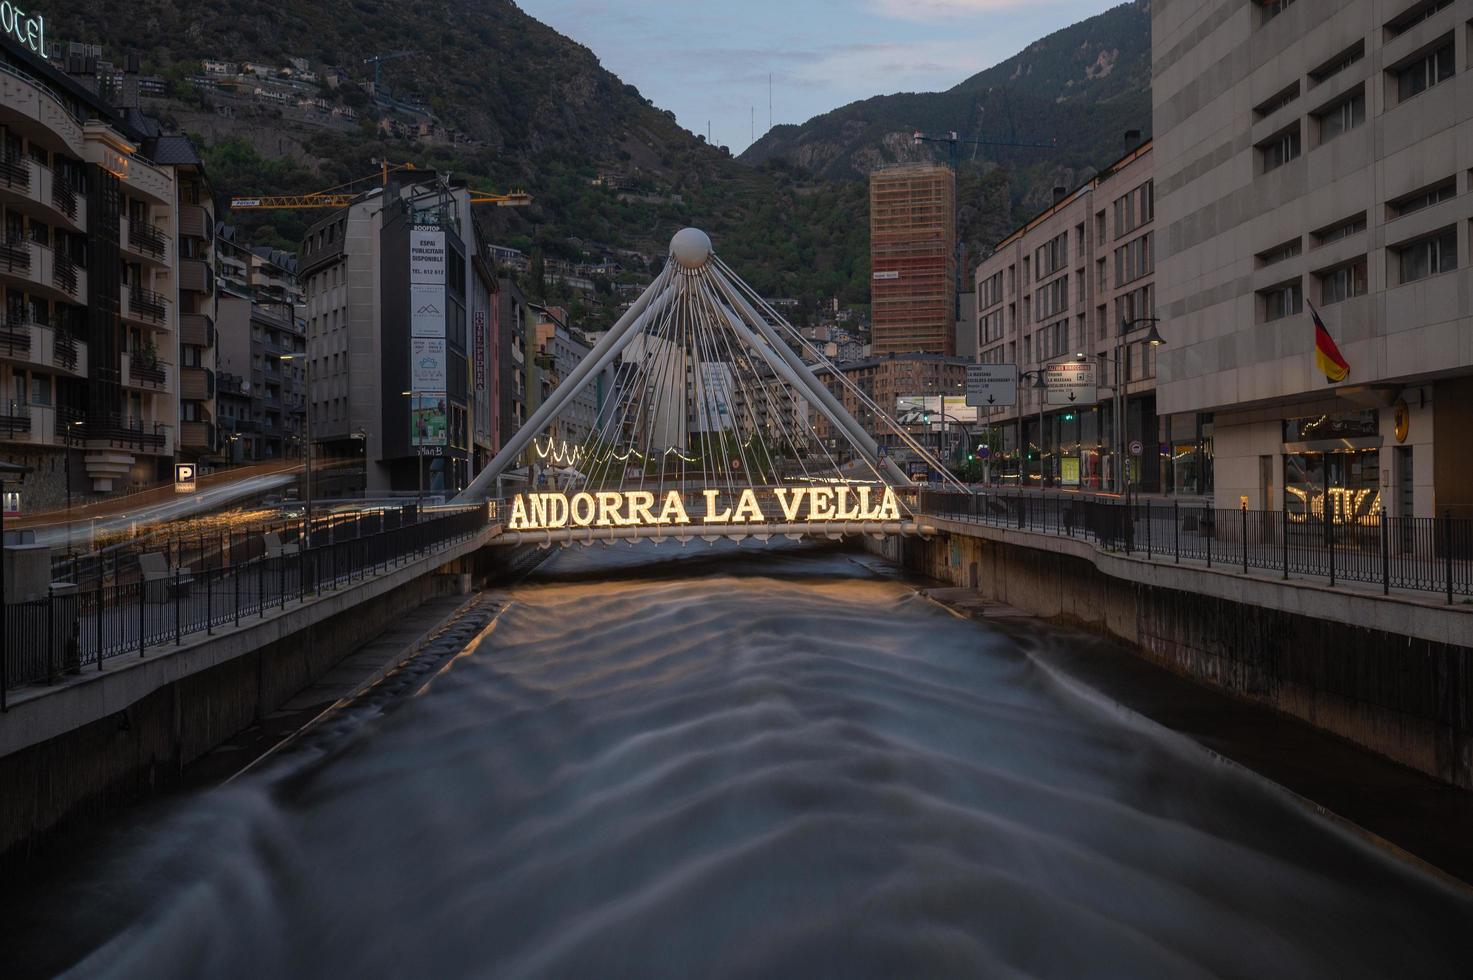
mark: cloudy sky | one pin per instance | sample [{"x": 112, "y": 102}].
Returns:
[{"x": 708, "y": 60}]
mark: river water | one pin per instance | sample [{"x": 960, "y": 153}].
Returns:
[{"x": 739, "y": 763}]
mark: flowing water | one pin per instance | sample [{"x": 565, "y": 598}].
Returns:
[{"x": 782, "y": 763}]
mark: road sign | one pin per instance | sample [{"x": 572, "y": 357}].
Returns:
[
  {"x": 1070, "y": 383},
  {"x": 992, "y": 385},
  {"x": 1136, "y": 447},
  {"x": 184, "y": 477}
]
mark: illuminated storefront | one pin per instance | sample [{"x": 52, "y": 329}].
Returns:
[{"x": 1332, "y": 468}]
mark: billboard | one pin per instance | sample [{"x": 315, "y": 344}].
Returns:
[
  {"x": 427, "y": 257},
  {"x": 955, "y": 406},
  {"x": 426, "y": 310},
  {"x": 427, "y": 363},
  {"x": 428, "y": 423}
]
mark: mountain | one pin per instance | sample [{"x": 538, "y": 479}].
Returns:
[
  {"x": 1082, "y": 86},
  {"x": 515, "y": 105}
]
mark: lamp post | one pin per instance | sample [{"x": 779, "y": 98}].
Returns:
[
  {"x": 1039, "y": 387},
  {"x": 1118, "y": 401},
  {"x": 67, "y": 434},
  {"x": 307, "y": 460}
]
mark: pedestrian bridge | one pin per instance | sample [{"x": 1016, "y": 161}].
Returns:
[{"x": 702, "y": 415}]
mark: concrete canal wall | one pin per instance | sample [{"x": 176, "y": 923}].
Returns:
[
  {"x": 1394, "y": 675},
  {"x": 73, "y": 753}
]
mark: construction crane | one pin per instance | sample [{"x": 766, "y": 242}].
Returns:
[
  {"x": 342, "y": 195},
  {"x": 378, "y": 65},
  {"x": 954, "y": 141}
]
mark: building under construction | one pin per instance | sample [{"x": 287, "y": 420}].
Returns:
[{"x": 912, "y": 223}]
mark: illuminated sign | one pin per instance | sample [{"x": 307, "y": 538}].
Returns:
[
  {"x": 184, "y": 478},
  {"x": 478, "y": 346},
  {"x": 30, "y": 31},
  {"x": 642, "y": 508}
]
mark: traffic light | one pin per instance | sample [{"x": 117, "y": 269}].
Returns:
[
  {"x": 1068, "y": 416},
  {"x": 925, "y": 418}
]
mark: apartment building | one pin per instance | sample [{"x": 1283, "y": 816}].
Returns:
[
  {"x": 1077, "y": 282},
  {"x": 102, "y": 291},
  {"x": 390, "y": 310},
  {"x": 897, "y": 383},
  {"x": 262, "y": 343},
  {"x": 913, "y": 270},
  {"x": 1320, "y": 152}
]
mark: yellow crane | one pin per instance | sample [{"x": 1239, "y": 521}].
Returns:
[{"x": 340, "y": 196}]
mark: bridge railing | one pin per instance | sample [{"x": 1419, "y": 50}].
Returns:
[
  {"x": 1430, "y": 554},
  {"x": 79, "y": 627}
]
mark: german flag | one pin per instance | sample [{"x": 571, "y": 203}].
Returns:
[{"x": 1326, "y": 355}]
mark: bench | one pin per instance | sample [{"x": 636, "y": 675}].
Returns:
[{"x": 160, "y": 582}]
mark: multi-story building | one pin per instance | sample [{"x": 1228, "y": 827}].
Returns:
[
  {"x": 1077, "y": 282},
  {"x": 508, "y": 366},
  {"x": 912, "y": 221},
  {"x": 898, "y": 383},
  {"x": 99, "y": 225},
  {"x": 390, "y": 297},
  {"x": 261, "y": 347},
  {"x": 1319, "y": 153},
  {"x": 560, "y": 349}
]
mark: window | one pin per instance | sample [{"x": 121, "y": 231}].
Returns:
[
  {"x": 1099, "y": 227},
  {"x": 1344, "y": 228},
  {"x": 1282, "y": 300},
  {"x": 1079, "y": 240},
  {"x": 1271, "y": 9},
  {"x": 1053, "y": 297},
  {"x": 1134, "y": 259},
  {"x": 1134, "y": 209},
  {"x": 1102, "y": 322},
  {"x": 991, "y": 292},
  {"x": 1428, "y": 256},
  {"x": 1277, "y": 101},
  {"x": 1280, "y": 149},
  {"x": 1414, "y": 15},
  {"x": 1101, "y": 277},
  {"x": 40, "y": 389},
  {"x": 1424, "y": 198},
  {"x": 1342, "y": 117},
  {"x": 1052, "y": 256},
  {"x": 1340, "y": 62},
  {"x": 1425, "y": 71},
  {"x": 1282, "y": 253},
  {"x": 990, "y": 326},
  {"x": 1343, "y": 282},
  {"x": 1134, "y": 305}
]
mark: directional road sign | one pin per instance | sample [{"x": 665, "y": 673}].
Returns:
[
  {"x": 992, "y": 385},
  {"x": 1070, "y": 383}
]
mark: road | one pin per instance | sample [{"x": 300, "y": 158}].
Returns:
[{"x": 743, "y": 762}]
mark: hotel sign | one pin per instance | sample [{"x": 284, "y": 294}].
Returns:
[
  {"x": 28, "y": 30},
  {"x": 642, "y": 508}
]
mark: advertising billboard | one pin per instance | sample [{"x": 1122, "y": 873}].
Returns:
[
  {"x": 428, "y": 421},
  {"x": 955, "y": 406},
  {"x": 426, "y": 310},
  {"x": 427, "y": 257},
  {"x": 427, "y": 363}
]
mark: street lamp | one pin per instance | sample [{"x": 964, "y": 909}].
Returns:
[
  {"x": 1118, "y": 399},
  {"x": 307, "y": 461},
  {"x": 67, "y": 435}
]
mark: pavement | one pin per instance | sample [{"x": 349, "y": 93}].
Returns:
[{"x": 1412, "y": 815}]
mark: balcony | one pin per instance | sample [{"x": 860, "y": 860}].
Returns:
[
  {"x": 197, "y": 436},
  {"x": 145, "y": 306},
  {"x": 144, "y": 240},
  {"x": 36, "y": 104},
  {"x": 146, "y": 375},
  {"x": 196, "y": 384},
  {"x": 42, "y": 270},
  {"x": 40, "y": 345},
  {"x": 194, "y": 222},
  {"x": 28, "y": 186},
  {"x": 196, "y": 330},
  {"x": 128, "y": 432},
  {"x": 195, "y": 277}
]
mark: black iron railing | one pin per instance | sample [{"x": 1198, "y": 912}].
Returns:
[
  {"x": 144, "y": 237},
  {"x": 147, "y": 304},
  {"x": 1430, "y": 554},
  {"x": 64, "y": 272},
  {"x": 15, "y": 254},
  {"x": 163, "y": 597}
]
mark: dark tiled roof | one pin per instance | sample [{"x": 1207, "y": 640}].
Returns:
[{"x": 173, "y": 150}]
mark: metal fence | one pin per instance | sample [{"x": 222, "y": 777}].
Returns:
[
  {"x": 1429, "y": 554},
  {"x": 77, "y": 627}
]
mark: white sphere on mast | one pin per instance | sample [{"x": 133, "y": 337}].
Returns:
[{"x": 691, "y": 247}]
